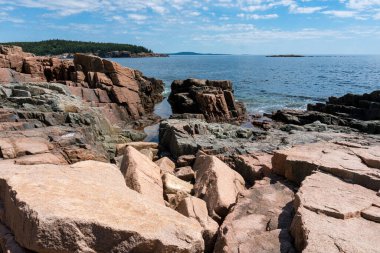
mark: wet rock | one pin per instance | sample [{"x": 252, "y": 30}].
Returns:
[
  {"x": 298, "y": 162},
  {"x": 196, "y": 209},
  {"x": 260, "y": 220},
  {"x": 142, "y": 175},
  {"x": 217, "y": 184},
  {"x": 68, "y": 217},
  {"x": 213, "y": 99}
]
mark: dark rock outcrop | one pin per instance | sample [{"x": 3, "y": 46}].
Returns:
[
  {"x": 213, "y": 99},
  {"x": 361, "y": 112}
]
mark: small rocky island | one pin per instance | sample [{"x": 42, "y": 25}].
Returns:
[
  {"x": 286, "y": 55},
  {"x": 76, "y": 175}
]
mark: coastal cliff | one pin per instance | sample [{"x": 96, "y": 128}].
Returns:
[{"x": 76, "y": 177}]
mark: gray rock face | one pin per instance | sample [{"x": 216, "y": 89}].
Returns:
[
  {"x": 86, "y": 207},
  {"x": 52, "y": 122},
  {"x": 260, "y": 220},
  {"x": 186, "y": 137}
]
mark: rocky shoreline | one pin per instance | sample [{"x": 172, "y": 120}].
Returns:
[{"x": 75, "y": 175}]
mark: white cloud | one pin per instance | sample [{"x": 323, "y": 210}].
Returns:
[
  {"x": 361, "y": 4},
  {"x": 137, "y": 17},
  {"x": 247, "y": 34},
  {"x": 304, "y": 10},
  {"x": 5, "y": 17},
  {"x": 341, "y": 14},
  {"x": 257, "y": 16}
]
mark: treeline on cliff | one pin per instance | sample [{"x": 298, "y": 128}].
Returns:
[{"x": 57, "y": 47}]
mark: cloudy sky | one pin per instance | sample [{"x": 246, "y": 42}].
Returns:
[{"x": 215, "y": 26}]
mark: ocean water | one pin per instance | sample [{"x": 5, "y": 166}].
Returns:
[{"x": 266, "y": 84}]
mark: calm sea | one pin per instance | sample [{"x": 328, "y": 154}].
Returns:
[{"x": 266, "y": 84}]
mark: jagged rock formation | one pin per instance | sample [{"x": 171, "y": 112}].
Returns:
[
  {"x": 121, "y": 93},
  {"x": 213, "y": 99}
]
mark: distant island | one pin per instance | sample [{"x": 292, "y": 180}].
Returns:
[
  {"x": 285, "y": 55},
  {"x": 193, "y": 53},
  {"x": 67, "y": 48}
]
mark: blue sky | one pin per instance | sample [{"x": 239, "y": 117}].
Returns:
[{"x": 215, "y": 26}]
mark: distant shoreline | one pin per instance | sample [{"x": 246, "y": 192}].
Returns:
[
  {"x": 286, "y": 55},
  {"x": 194, "y": 53}
]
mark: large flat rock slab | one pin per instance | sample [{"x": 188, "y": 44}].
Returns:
[
  {"x": 323, "y": 193},
  {"x": 335, "y": 216},
  {"x": 260, "y": 220},
  {"x": 86, "y": 207},
  {"x": 342, "y": 161},
  {"x": 314, "y": 233}
]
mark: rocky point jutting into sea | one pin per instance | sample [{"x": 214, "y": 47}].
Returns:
[{"x": 75, "y": 175}]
